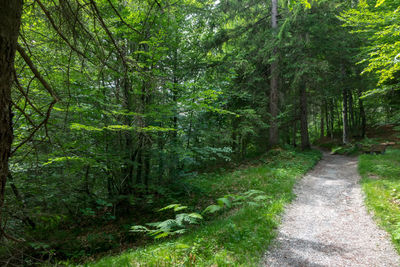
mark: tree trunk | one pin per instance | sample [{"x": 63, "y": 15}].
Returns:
[
  {"x": 9, "y": 28},
  {"x": 351, "y": 110},
  {"x": 322, "y": 123},
  {"x": 235, "y": 124},
  {"x": 294, "y": 133},
  {"x": 160, "y": 149},
  {"x": 326, "y": 118},
  {"x": 273, "y": 95},
  {"x": 339, "y": 116},
  {"x": 362, "y": 114},
  {"x": 305, "y": 141},
  {"x": 332, "y": 121},
  {"x": 146, "y": 176},
  {"x": 345, "y": 120}
]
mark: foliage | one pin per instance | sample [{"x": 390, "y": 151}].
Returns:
[
  {"x": 175, "y": 226},
  {"x": 378, "y": 21},
  {"x": 122, "y": 107},
  {"x": 238, "y": 237},
  {"x": 170, "y": 226}
]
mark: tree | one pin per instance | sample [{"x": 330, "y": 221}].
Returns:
[
  {"x": 273, "y": 93},
  {"x": 11, "y": 11}
]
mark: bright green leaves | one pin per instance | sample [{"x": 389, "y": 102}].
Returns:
[
  {"x": 179, "y": 224},
  {"x": 251, "y": 197},
  {"x": 79, "y": 127},
  {"x": 380, "y": 26},
  {"x": 175, "y": 207},
  {"x": 379, "y": 2},
  {"x": 170, "y": 226}
]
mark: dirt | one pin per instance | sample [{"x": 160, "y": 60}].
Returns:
[{"x": 328, "y": 224}]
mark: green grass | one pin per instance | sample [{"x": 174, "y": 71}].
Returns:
[
  {"x": 349, "y": 150},
  {"x": 381, "y": 184},
  {"x": 238, "y": 237}
]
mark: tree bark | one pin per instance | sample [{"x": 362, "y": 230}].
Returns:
[
  {"x": 351, "y": 110},
  {"x": 305, "y": 141},
  {"x": 345, "y": 120},
  {"x": 322, "y": 123},
  {"x": 326, "y": 118},
  {"x": 332, "y": 121},
  {"x": 362, "y": 115},
  {"x": 9, "y": 28},
  {"x": 273, "y": 95},
  {"x": 294, "y": 133}
]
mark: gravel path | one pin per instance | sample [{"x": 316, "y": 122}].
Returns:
[{"x": 328, "y": 224}]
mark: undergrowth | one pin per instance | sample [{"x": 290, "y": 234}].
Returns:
[
  {"x": 236, "y": 237},
  {"x": 381, "y": 184}
]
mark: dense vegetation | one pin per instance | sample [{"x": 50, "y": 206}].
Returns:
[
  {"x": 111, "y": 110},
  {"x": 223, "y": 240}
]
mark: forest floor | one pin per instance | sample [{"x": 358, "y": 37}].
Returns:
[
  {"x": 232, "y": 237},
  {"x": 328, "y": 224}
]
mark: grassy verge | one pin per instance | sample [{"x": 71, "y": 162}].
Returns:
[
  {"x": 237, "y": 237},
  {"x": 381, "y": 184}
]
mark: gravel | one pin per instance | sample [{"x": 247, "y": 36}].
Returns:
[{"x": 328, "y": 224}]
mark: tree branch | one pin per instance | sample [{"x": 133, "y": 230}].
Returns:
[
  {"x": 36, "y": 72},
  {"x": 44, "y": 122},
  {"x": 47, "y": 13},
  {"x": 120, "y": 17}
]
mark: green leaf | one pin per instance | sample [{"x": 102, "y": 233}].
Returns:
[
  {"x": 195, "y": 215},
  {"x": 175, "y": 207},
  {"x": 139, "y": 229},
  {"x": 261, "y": 198},
  {"x": 212, "y": 209},
  {"x": 379, "y": 2},
  {"x": 224, "y": 201},
  {"x": 161, "y": 235}
]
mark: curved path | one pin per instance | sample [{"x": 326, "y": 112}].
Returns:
[{"x": 328, "y": 224}]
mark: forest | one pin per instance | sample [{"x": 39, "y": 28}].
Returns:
[{"x": 166, "y": 129}]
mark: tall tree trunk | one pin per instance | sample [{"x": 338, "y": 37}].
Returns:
[
  {"x": 146, "y": 176},
  {"x": 322, "y": 123},
  {"x": 326, "y": 118},
  {"x": 345, "y": 119},
  {"x": 273, "y": 95},
  {"x": 174, "y": 157},
  {"x": 9, "y": 28},
  {"x": 362, "y": 114},
  {"x": 351, "y": 110},
  {"x": 160, "y": 149},
  {"x": 294, "y": 133},
  {"x": 305, "y": 141},
  {"x": 235, "y": 124},
  {"x": 139, "y": 163},
  {"x": 339, "y": 116},
  {"x": 332, "y": 121}
]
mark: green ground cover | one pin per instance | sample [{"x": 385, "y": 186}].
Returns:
[
  {"x": 235, "y": 237},
  {"x": 381, "y": 184}
]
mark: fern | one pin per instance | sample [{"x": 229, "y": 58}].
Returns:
[
  {"x": 169, "y": 227},
  {"x": 212, "y": 209},
  {"x": 179, "y": 224},
  {"x": 251, "y": 198}
]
